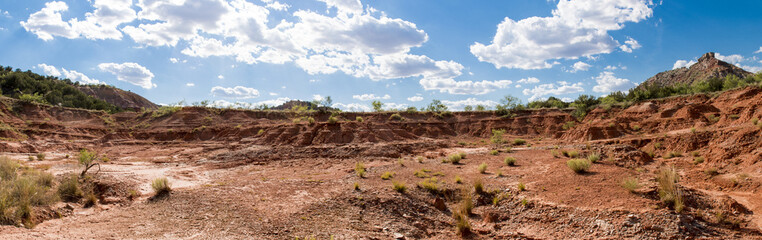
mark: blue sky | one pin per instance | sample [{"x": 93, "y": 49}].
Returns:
[{"x": 403, "y": 53}]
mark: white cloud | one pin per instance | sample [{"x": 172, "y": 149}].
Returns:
[
  {"x": 238, "y": 92},
  {"x": 273, "y": 102},
  {"x": 173, "y": 60},
  {"x": 348, "y": 6},
  {"x": 130, "y": 72},
  {"x": 220, "y": 77},
  {"x": 553, "y": 89},
  {"x": 740, "y": 61},
  {"x": 607, "y": 83},
  {"x": 758, "y": 51},
  {"x": 629, "y": 45},
  {"x": 190, "y": 84},
  {"x": 580, "y": 66},
  {"x": 273, "y": 94},
  {"x": 449, "y": 85},
  {"x": 275, "y": 5},
  {"x": 368, "y": 97},
  {"x": 415, "y": 99},
  {"x": 460, "y": 104},
  {"x": 530, "y": 80},
  {"x": 67, "y": 74},
  {"x": 352, "y": 107},
  {"x": 317, "y": 97},
  {"x": 102, "y": 23},
  {"x": 394, "y": 106},
  {"x": 575, "y": 29},
  {"x": 683, "y": 63}
]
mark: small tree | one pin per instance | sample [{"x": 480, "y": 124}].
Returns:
[
  {"x": 377, "y": 105},
  {"x": 87, "y": 160},
  {"x": 436, "y": 106},
  {"x": 468, "y": 108}
]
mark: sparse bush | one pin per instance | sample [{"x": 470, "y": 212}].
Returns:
[
  {"x": 578, "y": 165},
  {"x": 458, "y": 180},
  {"x": 494, "y": 152},
  {"x": 631, "y": 184},
  {"x": 462, "y": 155},
  {"x": 482, "y": 168},
  {"x": 594, "y": 157},
  {"x": 311, "y": 120},
  {"x": 524, "y": 202},
  {"x": 395, "y": 117},
  {"x": 421, "y": 173},
  {"x": 479, "y": 186},
  {"x": 636, "y": 127},
  {"x": 454, "y": 158},
  {"x": 510, "y": 161},
  {"x": 755, "y": 121},
  {"x": 21, "y": 191},
  {"x": 165, "y": 110},
  {"x": 673, "y": 155},
  {"x": 399, "y": 186},
  {"x": 357, "y": 187},
  {"x": 387, "y": 175},
  {"x": 8, "y": 168},
  {"x": 519, "y": 141},
  {"x": 698, "y": 160},
  {"x": 568, "y": 125},
  {"x": 521, "y": 187},
  {"x": 711, "y": 171},
  {"x": 90, "y": 200},
  {"x": 260, "y": 132},
  {"x": 69, "y": 190},
  {"x": 87, "y": 160},
  {"x": 733, "y": 116},
  {"x": 669, "y": 190},
  {"x": 161, "y": 186},
  {"x": 570, "y": 154},
  {"x": 462, "y": 226},
  {"x": 554, "y": 153},
  {"x": 40, "y": 157},
  {"x": 332, "y": 120},
  {"x": 359, "y": 119},
  {"x": 497, "y": 136},
  {"x": 419, "y": 159},
  {"x": 657, "y": 145},
  {"x": 508, "y": 149},
  {"x": 360, "y": 169},
  {"x": 712, "y": 118},
  {"x": 430, "y": 184}
]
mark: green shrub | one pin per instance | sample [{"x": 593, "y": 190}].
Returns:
[
  {"x": 594, "y": 157},
  {"x": 519, "y": 141},
  {"x": 359, "y": 119},
  {"x": 568, "y": 125},
  {"x": 399, "y": 186},
  {"x": 87, "y": 160},
  {"x": 332, "y": 120},
  {"x": 636, "y": 127},
  {"x": 631, "y": 184},
  {"x": 497, "y": 136},
  {"x": 430, "y": 184},
  {"x": 510, "y": 161},
  {"x": 554, "y": 153},
  {"x": 360, "y": 169},
  {"x": 462, "y": 155},
  {"x": 755, "y": 121},
  {"x": 90, "y": 200},
  {"x": 421, "y": 173},
  {"x": 657, "y": 145},
  {"x": 454, "y": 158},
  {"x": 395, "y": 117},
  {"x": 458, "y": 180},
  {"x": 40, "y": 157},
  {"x": 494, "y": 152},
  {"x": 673, "y": 155},
  {"x": 311, "y": 120},
  {"x": 508, "y": 149},
  {"x": 161, "y": 186},
  {"x": 387, "y": 175},
  {"x": 69, "y": 190},
  {"x": 698, "y": 160},
  {"x": 521, "y": 187},
  {"x": 482, "y": 168},
  {"x": 570, "y": 154},
  {"x": 578, "y": 165},
  {"x": 164, "y": 111}
]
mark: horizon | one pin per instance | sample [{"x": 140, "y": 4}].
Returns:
[{"x": 357, "y": 52}]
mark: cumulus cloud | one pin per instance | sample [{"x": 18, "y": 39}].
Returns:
[
  {"x": 368, "y": 97},
  {"x": 102, "y": 23},
  {"x": 449, "y": 85},
  {"x": 190, "y": 84},
  {"x": 575, "y": 29},
  {"x": 460, "y": 104},
  {"x": 130, "y": 72},
  {"x": 349, "y": 6},
  {"x": 351, "y": 107},
  {"x": 629, "y": 45},
  {"x": 740, "y": 61},
  {"x": 238, "y": 92},
  {"x": 275, "y": 5},
  {"x": 273, "y": 102},
  {"x": 415, "y": 99},
  {"x": 530, "y": 80},
  {"x": 559, "y": 88},
  {"x": 607, "y": 83},
  {"x": 67, "y": 74},
  {"x": 580, "y": 66},
  {"x": 683, "y": 63},
  {"x": 758, "y": 51}
]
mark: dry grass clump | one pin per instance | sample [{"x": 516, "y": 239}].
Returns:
[
  {"x": 711, "y": 171},
  {"x": 360, "y": 169},
  {"x": 494, "y": 152},
  {"x": 21, "y": 191},
  {"x": 423, "y": 173},
  {"x": 161, "y": 186},
  {"x": 69, "y": 190},
  {"x": 578, "y": 165},
  {"x": 673, "y": 155},
  {"x": 698, "y": 160},
  {"x": 359, "y": 119},
  {"x": 519, "y": 141},
  {"x": 430, "y": 184},
  {"x": 595, "y": 157},
  {"x": 455, "y": 158},
  {"x": 479, "y": 186},
  {"x": 669, "y": 190},
  {"x": 357, "y": 187},
  {"x": 482, "y": 168},
  {"x": 570, "y": 154},
  {"x": 395, "y": 117},
  {"x": 387, "y": 175},
  {"x": 631, "y": 184},
  {"x": 461, "y": 213},
  {"x": 521, "y": 186},
  {"x": 399, "y": 186},
  {"x": 458, "y": 180},
  {"x": 509, "y": 161}
]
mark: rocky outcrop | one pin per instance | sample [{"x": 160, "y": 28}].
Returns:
[
  {"x": 118, "y": 97},
  {"x": 707, "y": 67}
]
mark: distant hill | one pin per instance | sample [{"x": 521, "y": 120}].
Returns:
[
  {"x": 310, "y": 106},
  {"x": 706, "y": 68},
  {"x": 118, "y": 97}
]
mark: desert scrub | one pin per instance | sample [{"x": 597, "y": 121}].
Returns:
[
  {"x": 69, "y": 190},
  {"x": 711, "y": 172},
  {"x": 454, "y": 158},
  {"x": 359, "y": 119},
  {"x": 521, "y": 186},
  {"x": 395, "y": 117},
  {"x": 387, "y": 175},
  {"x": 164, "y": 111},
  {"x": 508, "y": 149},
  {"x": 482, "y": 168},
  {"x": 497, "y": 136},
  {"x": 40, "y": 157},
  {"x": 430, "y": 184},
  {"x": 519, "y": 141},
  {"x": 161, "y": 186},
  {"x": 360, "y": 169},
  {"x": 8, "y": 168},
  {"x": 673, "y": 155},
  {"x": 568, "y": 125},
  {"x": 669, "y": 190},
  {"x": 494, "y": 152},
  {"x": 578, "y": 165},
  {"x": 356, "y": 187},
  {"x": 419, "y": 159},
  {"x": 21, "y": 192},
  {"x": 88, "y": 160},
  {"x": 631, "y": 184},
  {"x": 332, "y": 120},
  {"x": 458, "y": 180},
  {"x": 595, "y": 157},
  {"x": 462, "y": 155},
  {"x": 657, "y": 145},
  {"x": 478, "y": 186},
  {"x": 636, "y": 128},
  {"x": 461, "y": 213},
  {"x": 399, "y": 186},
  {"x": 423, "y": 173},
  {"x": 509, "y": 161},
  {"x": 698, "y": 160},
  {"x": 554, "y": 153}
]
